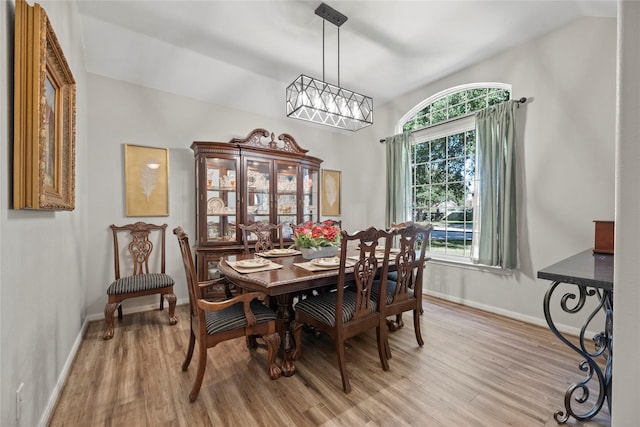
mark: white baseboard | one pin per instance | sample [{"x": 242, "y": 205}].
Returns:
[
  {"x": 566, "y": 329},
  {"x": 62, "y": 378},
  {"x": 55, "y": 394}
]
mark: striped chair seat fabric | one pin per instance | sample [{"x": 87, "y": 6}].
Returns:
[
  {"x": 323, "y": 307},
  {"x": 139, "y": 282},
  {"x": 233, "y": 317},
  {"x": 391, "y": 290}
]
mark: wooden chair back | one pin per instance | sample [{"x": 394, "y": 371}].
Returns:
[
  {"x": 413, "y": 242},
  {"x": 263, "y": 233},
  {"x": 367, "y": 268},
  {"x": 140, "y": 247},
  {"x": 404, "y": 290}
]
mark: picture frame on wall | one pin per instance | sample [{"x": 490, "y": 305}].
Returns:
[
  {"x": 44, "y": 115},
  {"x": 146, "y": 180},
  {"x": 330, "y": 192}
]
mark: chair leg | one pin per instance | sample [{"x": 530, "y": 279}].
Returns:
[
  {"x": 251, "y": 341},
  {"x": 343, "y": 366},
  {"x": 383, "y": 350},
  {"x": 171, "y": 299},
  {"x": 416, "y": 327},
  {"x": 387, "y": 347},
  {"x": 192, "y": 342},
  {"x": 120, "y": 311},
  {"x": 273, "y": 344},
  {"x": 202, "y": 364},
  {"x": 109, "y": 308},
  {"x": 161, "y": 302}
]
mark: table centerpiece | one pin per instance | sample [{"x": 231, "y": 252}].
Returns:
[{"x": 317, "y": 240}]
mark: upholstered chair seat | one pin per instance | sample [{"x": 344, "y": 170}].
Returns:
[
  {"x": 140, "y": 282},
  {"x": 234, "y": 317},
  {"x": 323, "y": 307}
]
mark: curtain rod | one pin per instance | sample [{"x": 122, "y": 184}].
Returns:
[{"x": 522, "y": 100}]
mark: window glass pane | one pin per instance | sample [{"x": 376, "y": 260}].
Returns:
[
  {"x": 456, "y": 111},
  {"x": 421, "y": 175},
  {"x": 437, "y": 172},
  {"x": 439, "y": 116},
  {"x": 421, "y": 153},
  {"x": 455, "y": 169},
  {"x": 476, "y": 104},
  {"x": 455, "y": 145},
  {"x": 476, "y": 93},
  {"x": 438, "y": 149}
]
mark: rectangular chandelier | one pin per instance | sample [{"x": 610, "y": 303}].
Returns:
[{"x": 320, "y": 102}]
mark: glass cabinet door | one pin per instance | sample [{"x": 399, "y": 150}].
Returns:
[
  {"x": 287, "y": 197},
  {"x": 310, "y": 197},
  {"x": 221, "y": 200},
  {"x": 258, "y": 196}
]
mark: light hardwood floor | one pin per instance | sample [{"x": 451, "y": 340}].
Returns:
[{"x": 475, "y": 369}]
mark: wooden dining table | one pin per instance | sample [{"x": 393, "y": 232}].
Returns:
[{"x": 284, "y": 284}]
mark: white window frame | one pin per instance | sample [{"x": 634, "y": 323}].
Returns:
[{"x": 442, "y": 129}]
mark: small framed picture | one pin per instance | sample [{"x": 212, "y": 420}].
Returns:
[
  {"x": 330, "y": 191},
  {"x": 146, "y": 180}
]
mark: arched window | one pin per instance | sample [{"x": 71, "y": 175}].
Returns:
[{"x": 443, "y": 163}]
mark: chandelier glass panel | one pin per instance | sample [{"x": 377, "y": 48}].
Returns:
[{"x": 324, "y": 103}]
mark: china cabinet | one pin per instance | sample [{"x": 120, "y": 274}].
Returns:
[{"x": 257, "y": 178}]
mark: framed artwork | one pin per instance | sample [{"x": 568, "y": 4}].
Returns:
[
  {"x": 44, "y": 116},
  {"x": 146, "y": 180},
  {"x": 330, "y": 192}
]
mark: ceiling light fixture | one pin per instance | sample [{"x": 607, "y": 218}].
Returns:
[{"x": 321, "y": 102}]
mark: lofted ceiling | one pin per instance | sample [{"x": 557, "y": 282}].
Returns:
[{"x": 243, "y": 54}]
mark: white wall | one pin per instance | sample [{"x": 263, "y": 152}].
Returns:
[{"x": 44, "y": 257}]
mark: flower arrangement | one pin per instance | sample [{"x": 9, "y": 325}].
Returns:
[{"x": 312, "y": 235}]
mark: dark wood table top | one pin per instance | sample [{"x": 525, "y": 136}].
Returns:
[
  {"x": 584, "y": 269},
  {"x": 285, "y": 280}
]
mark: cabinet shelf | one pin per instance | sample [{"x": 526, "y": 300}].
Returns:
[{"x": 227, "y": 189}]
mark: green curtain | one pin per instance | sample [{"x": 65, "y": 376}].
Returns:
[
  {"x": 398, "y": 178},
  {"x": 496, "y": 172}
]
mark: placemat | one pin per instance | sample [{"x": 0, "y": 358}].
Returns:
[
  {"x": 270, "y": 254},
  {"x": 312, "y": 267},
  {"x": 271, "y": 266}
]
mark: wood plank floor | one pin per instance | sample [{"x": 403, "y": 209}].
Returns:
[{"x": 476, "y": 369}]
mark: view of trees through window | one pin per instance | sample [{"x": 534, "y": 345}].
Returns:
[{"x": 443, "y": 167}]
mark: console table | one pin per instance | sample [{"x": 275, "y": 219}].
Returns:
[{"x": 592, "y": 274}]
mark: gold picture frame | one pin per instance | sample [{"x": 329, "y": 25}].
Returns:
[
  {"x": 146, "y": 180},
  {"x": 44, "y": 116},
  {"x": 330, "y": 192}
]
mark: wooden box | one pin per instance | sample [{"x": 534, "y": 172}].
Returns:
[{"x": 604, "y": 237}]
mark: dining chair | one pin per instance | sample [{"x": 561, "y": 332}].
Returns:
[
  {"x": 141, "y": 280},
  {"x": 213, "y": 322},
  {"x": 263, "y": 234},
  {"x": 351, "y": 308},
  {"x": 405, "y": 292},
  {"x": 336, "y": 222}
]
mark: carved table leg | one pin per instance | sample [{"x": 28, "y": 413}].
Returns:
[{"x": 284, "y": 328}]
